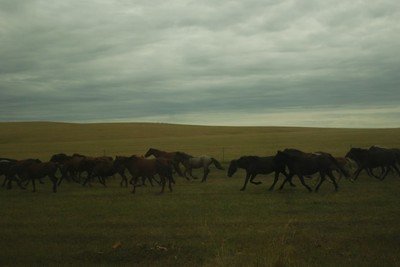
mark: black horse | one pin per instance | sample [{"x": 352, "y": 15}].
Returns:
[
  {"x": 374, "y": 157},
  {"x": 103, "y": 169},
  {"x": 254, "y": 165},
  {"x": 304, "y": 164},
  {"x": 5, "y": 164}
]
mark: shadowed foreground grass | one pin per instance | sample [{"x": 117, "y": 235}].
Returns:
[
  {"x": 212, "y": 224},
  {"x": 203, "y": 224}
]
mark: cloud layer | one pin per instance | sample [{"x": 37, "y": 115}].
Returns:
[{"x": 209, "y": 62}]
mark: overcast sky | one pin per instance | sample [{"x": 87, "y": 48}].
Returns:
[{"x": 254, "y": 62}]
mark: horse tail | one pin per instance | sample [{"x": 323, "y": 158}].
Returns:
[{"x": 217, "y": 164}]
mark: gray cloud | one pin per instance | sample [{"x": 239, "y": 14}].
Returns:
[{"x": 179, "y": 60}]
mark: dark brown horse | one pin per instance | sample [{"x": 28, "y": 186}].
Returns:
[
  {"x": 70, "y": 166},
  {"x": 374, "y": 157},
  {"x": 119, "y": 165},
  {"x": 88, "y": 163},
  {"x": 140, "y": 167},
  {"x": 106, "y": 167},
  {"x": 40, "y": 170},
  {"x": 5, "y": 164},
  {"x": 254, "y": 165},
  {"x": 304, "y": 164},
  {"x": 17, "y": 171},
  {"x": 175, "y": 157}
]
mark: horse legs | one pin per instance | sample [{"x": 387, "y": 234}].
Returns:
[
  {"x": 151, "y": 180},
  {"x": 33, "y": 185},
  {"x": 87, "y": 180},
  {"x": 133, "y": 181},
  {"x": 61, "y": 179},
  {"x": 9, "y": 183},
  {"x": 321, "y": 180},
  {"x": 303, "y": 183},
  {"x": 6, "y": 182},
  {"x": 169, "y": 182},
  {"x": 396, "y": 169},
  {"x": 330, "y": 175},
  {"x": 206, "y": 172},
  {"x": 102, "y": 180},
  {"x": 288, "y": 179},
  {"x": 245, "y": 181},
  {"x": 157, "y": 181},
  {"x": 185, "y": 173},
  {"x": 54, "y": 180},
  {"x": 371, "y": 173},
  {"x": 123, "y": 180},
  {"x": 191, "y": 174},
  {"x": 20, "y": 184},
  {"x": 178, "y": 170},
  {"x": 252, "y": 178},
  {"x": 162, "y": 178},
  {"x": 275, "y": 180},
  {"x": 357, "y": 172}
]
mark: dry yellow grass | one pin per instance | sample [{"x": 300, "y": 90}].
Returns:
[{"x": 42, "y": 139}]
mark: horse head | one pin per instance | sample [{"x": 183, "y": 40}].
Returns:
[{"x": 232, "y": 168}]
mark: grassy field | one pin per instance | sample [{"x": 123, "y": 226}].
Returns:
[{"x": 212, "y": 224}]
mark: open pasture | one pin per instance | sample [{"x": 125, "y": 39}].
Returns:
[{"x": 198, "y": 224}]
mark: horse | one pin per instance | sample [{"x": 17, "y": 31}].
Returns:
[
  {"x": 200, "y": 162},
  {"x": 303, "y": 164},
  {"x": 141, "y": 167},
  {"x": 103, "y": 169},
  {"x": 120, "y": 165},
  {"x": 345, "y": 164},
  {"x": 254, "y": 165},
  {"x": 16, "y": 171},
  {"x": 5, "y": 164},
  {"x": 70, "y": 166},
  {"x": 175, "y": 157},
  {"x": 89, "y": 163},
  {"x": 374, "y": 157},
  {"x": 40, "y": 170},
  {"x": 60, "y": 158}
]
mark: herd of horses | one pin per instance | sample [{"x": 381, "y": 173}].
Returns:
[{"x": 289, "y": 162}]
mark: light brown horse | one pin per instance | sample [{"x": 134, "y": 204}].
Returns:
[
  {"x": 174, "y": 157},
  {"x": 141, "y": 167}
]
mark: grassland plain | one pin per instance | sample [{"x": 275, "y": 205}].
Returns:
[{"x": 198, "y": 224}]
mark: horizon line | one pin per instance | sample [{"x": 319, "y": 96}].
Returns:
[{"x": 200, "y": 125}]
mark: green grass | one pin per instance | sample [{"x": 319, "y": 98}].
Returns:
[{"x": 212, "y": 224}]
